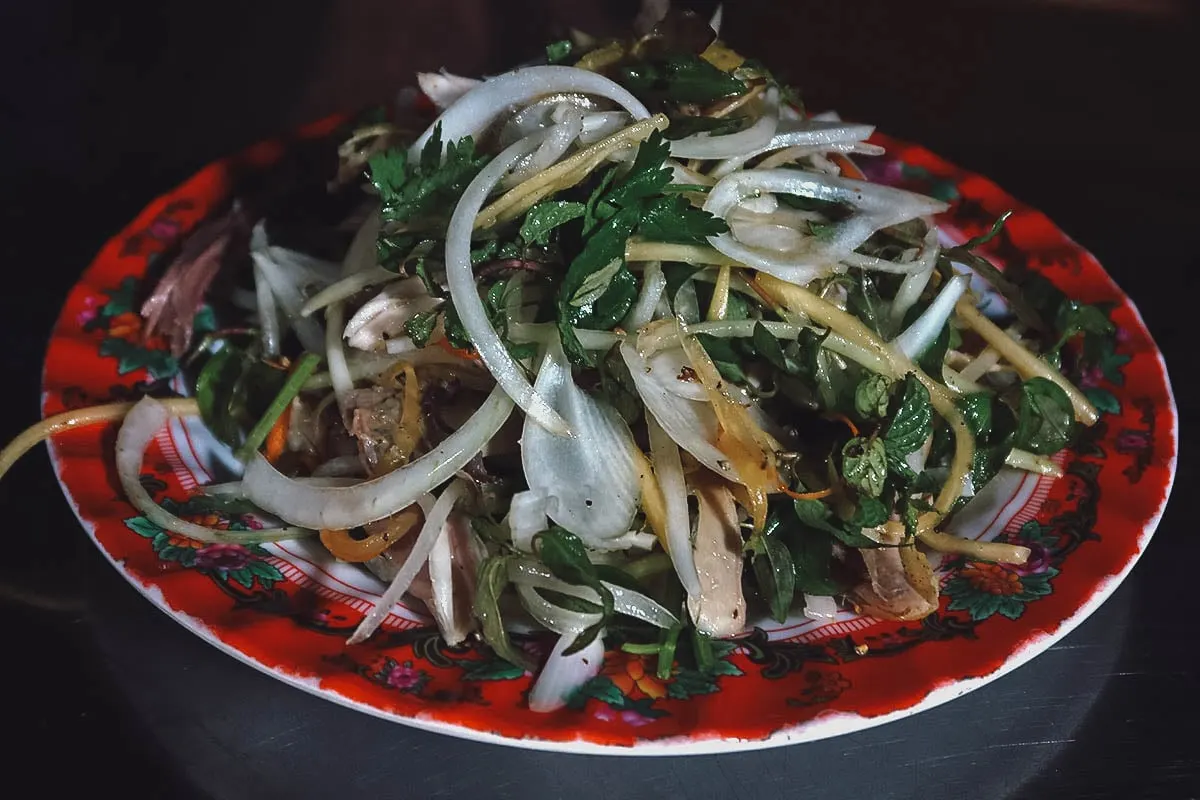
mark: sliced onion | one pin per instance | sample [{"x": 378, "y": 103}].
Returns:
[
  {"x": 558, "y": 140},
  {"x": 476, "y": 110},
  {"x": 654, "y": 283},
  {"x": 435, "y": 520},
  {"x": 915, "y": 282},
  {"x": 917, "y": 338},
  {"x": 453, "y": 619},
  {"x": 542, "y": 113},
  {"x": 601, "y": 124},
  {"x": 820, "y": 607},
  {"x": 560, "y": 620},
  {"x": 359, "y": 256},
  {"x": 670, "y": 368},
  {"x": 878, "y": 207},
  {"x": 810, "y": 133},
  {"x": 443, "y": 88},
  {"x": 668, "y": 469},
  {"x": 527, "y": 572},
  {"x": 706, "y": 146},
  {"x": 349, "y": 507},
  {"x": 141, "y": 424},
  {"x": 526, "y": 519},
  {"x": 287, "y": 294},
  {"x": 347, "y": 287},
  {"x": 268, "y": 314},
  {"x": 463, "y": 291},
  {"x": 544, "y": 332},
  {"x": 692, "y": 425},
  {"x": 562, "y": 675},
  {"x": 340, "y": 467},
  {"x": 381, "y": 320},
  {"x": 591, "y": 477}
]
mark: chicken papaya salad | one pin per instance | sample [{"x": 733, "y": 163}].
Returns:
[{"x": 622, "y": 348}]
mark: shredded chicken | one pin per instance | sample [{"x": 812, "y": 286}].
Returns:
[
  {"x": 720, "y": 609},
  {"x": 900, "y": 583}
]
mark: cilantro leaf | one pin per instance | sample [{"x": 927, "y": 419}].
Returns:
[
  {"x": 429, "y": 187},
  {"x": 545, "y": 217},
  {"x": 647, "y": 177},
  {"x": 674, "y": 219}
]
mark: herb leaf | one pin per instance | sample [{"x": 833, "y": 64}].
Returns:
[
  {"x": 564, "y": 554},
  {"x": 492, "y": 580},
  {"x": 776, "y": 575},
  {"x": 674, "y": 219},
  {"x": 429, "y": 187},
  {"x": 864, "y": 465},
  {"x": 871, "y": 397},
  {"x": 681, "y": 78},
  {"x": 912, "y": 422},
  {"x": 545, "y": 217},
  {"x": 1045, "y": 417},
  {"x": 557, "y": 52},
  {"x": 683, "y": 126}
]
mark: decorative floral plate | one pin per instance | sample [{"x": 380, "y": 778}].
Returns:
[{"x": 287, "y": 609}]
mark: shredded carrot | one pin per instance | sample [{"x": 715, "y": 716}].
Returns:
[
  {"x": 469, "y": 355},
  {"x": 818, "y": 495},
  {"x": 849, "y": 168},
  {"x": 277, "y": 438},
  {"x": 839, "y": 417}
]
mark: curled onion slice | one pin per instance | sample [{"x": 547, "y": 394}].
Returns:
[
  {"x": 757, "y": 136},
  {"x": 348, "y": 507},
  {"x": 435, "y": 520},
  {"x": 475, "y": 110},
  {"x": 590, "y": 478},
  {"x": 668, "y": 469},
  {"x": 564, "y": 674},
  {"x": 461, "y": 277},
  {"x": 141, "y": 424}
]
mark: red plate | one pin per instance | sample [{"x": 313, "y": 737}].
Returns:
[{"x": 287, "y": 610}]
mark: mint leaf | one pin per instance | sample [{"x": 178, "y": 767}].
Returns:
[
  {"x": 864, "y": 465},
  {"x": 1045, "y": 417},
  {"x": 912, "y": 423},
  {"x": 872, "y": 397},
  {"x": 420, "y": 327}
]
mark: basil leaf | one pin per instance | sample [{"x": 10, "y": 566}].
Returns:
[
  {"x": 1045, "y": 417},
  {"x": 564, "y": 554},
  {"x": 864, "y": 465},
  {"x": 492, "y": 580},
  {"x": 543, "y": 218},
  {"x": 816, "y": 514},
  {"x": 769, "y": 348},
  {"x": 869, "y": 514}
]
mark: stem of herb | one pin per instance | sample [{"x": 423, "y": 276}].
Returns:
[
  {"x": 641, "y": 649},
  {"x": 666, "y": 651},
  {"x": 302, "y": 372}
]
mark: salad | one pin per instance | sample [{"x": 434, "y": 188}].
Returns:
[{"x": 621, "y": 347}]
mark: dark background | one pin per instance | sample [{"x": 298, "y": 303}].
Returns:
[{"x": 1080, "y": 108}]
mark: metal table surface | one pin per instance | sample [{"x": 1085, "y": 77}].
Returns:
[{"x": 1073, "y": 111}]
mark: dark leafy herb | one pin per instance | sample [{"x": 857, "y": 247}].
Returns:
[
  {"x": 865, "y": 465},
  {"x": 558, "y": 52},
  {"x": 727, "y": 360},
  {"x": 683, "y": 126},
  {"x": 775, "y": 573},
  {"x": 420, "y": 327},
  {"x": 674, "y": 219},
  {"x": 617, "y": 386},
  {"x": 769, "y": 348},
  {"x": 912, "y": 421},
  {"x": 287, "y": 393},
  {"x": 1045, "y": 417},
  {"x": 648, "y": 175},
  {"x": 869, "y": 513},
  {"x": 872, "y": 397},
  {"x": 233, "y": 389},
  {"x": 565, "y": 555},
  {"x": 491, "y": 583},
  {"x": 429, "y": 187},
  {"x": 545, "y": 217},
  {"x": 679, "y": 78},
  {"x": 812, "y": 558}
]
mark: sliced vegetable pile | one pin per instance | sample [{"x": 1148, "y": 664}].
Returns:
[{"x": 623, "y": 348}]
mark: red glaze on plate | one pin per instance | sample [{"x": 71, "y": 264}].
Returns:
[{"x": 288, "y": 613}]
